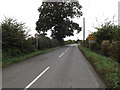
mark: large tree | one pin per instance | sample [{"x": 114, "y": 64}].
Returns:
[{"x": 57, "y": 17}]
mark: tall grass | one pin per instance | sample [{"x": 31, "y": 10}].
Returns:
[
  {"x": 11, "y": 60},
  {"x": 107, "y": 68}
]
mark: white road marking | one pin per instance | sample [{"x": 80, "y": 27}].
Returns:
[
  {"x": 65, "y": 50},
  {"x": 30, "y": 84},
  {"x": 61, "y": 55}
]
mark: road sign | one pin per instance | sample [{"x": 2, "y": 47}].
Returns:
[{"x": 92, "y": 38}]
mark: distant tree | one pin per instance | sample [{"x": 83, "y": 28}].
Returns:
[
  {"x": 57, "y": 17},
  {"x": 45, "y": 42}
]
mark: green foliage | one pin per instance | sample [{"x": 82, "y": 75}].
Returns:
[
  {"x": 114, "y": 50},
  {"x": 45, "y": 42},
  {"x": 70, "y": 42},
  {"x": 116, "y": 33},
  {"x": 56, "y": 16},
  {"x": 104, "y": 47},
  {"x": 111, "y": 49},
  {"x": 13, "y": 60},
  {"x": 107, "y": 40},
  {"x": 15, "y": 39},
  {"x": 85, "y": 43},
  {"x": 95, "y": 47},
  {"x": 29, "y": 45},
  {"x": 107, "y": 31},
  {"x": 17, "y": 45},
  {"x": 108, "y": 68},
  {"x": 54, "y": 42}
]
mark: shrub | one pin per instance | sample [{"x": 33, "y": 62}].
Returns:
[
  {"x": 45, "y": 42},
  {"x": 14, "y": 38},
  {"x": 114, "y": 50},
  {"x": 104, "y": 47},
  {"x": 95, "y": 47}
]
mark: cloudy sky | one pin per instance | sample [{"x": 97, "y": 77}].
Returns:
[{"x": 26, "y": 11}]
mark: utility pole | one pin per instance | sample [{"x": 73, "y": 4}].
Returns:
[
  {"x": 119, "y": 13},
  {"x": 83, "y": 29}
]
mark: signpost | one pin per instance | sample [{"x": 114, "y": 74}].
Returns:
[
  {"x": 36, "y": 36},
  {"x": 91, "y": 40}
]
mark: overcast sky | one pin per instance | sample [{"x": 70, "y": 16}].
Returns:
[{"x": 27, "y": 11}]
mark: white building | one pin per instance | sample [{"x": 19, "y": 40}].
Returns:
[{"x": 119, "y": 13}]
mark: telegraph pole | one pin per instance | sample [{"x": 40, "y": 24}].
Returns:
[
  {"x": 83, "y": 29},
  {"x": 119, "y": 13}
]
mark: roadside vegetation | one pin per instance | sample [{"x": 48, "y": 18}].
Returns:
[
  {"x": 108, "y": 40},
  {"x": 18, "y": 45},
  {"x": 55, "y": 17},
  {"x": 11, "y": 60},
  {"x": 104, "y": 54},
  {"x": 107, "y": 68}
]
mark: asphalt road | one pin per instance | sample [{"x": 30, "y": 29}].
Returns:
[{"x": 63, "y": 68}]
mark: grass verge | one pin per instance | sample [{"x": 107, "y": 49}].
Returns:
[
  {"x": 13, "y": 60},
  {"x": 106, "y": 67}
]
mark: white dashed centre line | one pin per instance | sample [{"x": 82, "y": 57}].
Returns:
[
  {"x": 65, "y": 50},
  {"x": 30, "y": 84},
  {"x": 61, "y": 55}
]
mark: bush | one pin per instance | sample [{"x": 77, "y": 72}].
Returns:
[
  {"x": 55, "y": 42},
  {"x": 14, "y": 38},
  {"x": 104, "y": 47},
  {"x": 85, "y": 43},
  {"x": 28, "y": 46},
  {"x": 45, "y": 42},
  {"x": 16, "y": 41},
  {"x": 95, "y": 47},
  {"x": 114, "y": 50},
  {"x": 11, "y": 52}
]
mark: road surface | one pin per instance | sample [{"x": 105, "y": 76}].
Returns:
[{"x": 63, "y": 68}]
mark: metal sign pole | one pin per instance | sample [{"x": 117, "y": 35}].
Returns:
[{"x": 36, "y": 36}]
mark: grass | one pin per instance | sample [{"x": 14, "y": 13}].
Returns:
[
  {"x": 106, "y": 67},
  {"x": 8, "y": 61}
]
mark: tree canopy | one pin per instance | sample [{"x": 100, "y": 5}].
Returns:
[{"x": 57, "y": 17}]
